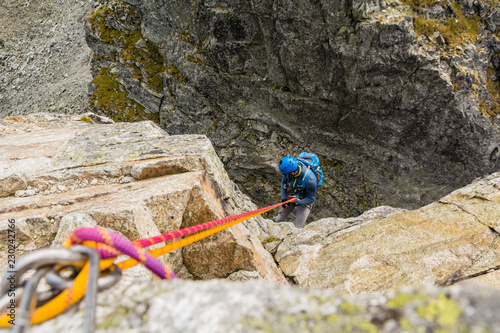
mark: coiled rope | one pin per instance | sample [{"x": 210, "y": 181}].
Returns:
[{"x": 110, "y": 245}]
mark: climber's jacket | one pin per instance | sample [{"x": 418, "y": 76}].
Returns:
[{"x": 303, "y": 185}]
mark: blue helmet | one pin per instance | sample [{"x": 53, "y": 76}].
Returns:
[{"x": 288, "y": 164}]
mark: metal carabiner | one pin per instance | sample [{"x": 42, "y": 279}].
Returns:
[
  {"x": 105, "y": 281},
  {"x": 28, "y": 300},
  {"x": 91, "y": 292},
  {"x": 42, "y": 297},
  {"x": 109, "y": 280},
  {"x": 37, "y": 259},
  {"x": 45, "y": 260},
  {"x": 56, "y": 281}
]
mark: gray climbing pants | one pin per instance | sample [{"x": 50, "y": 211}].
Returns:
[{"x": 300, "y": 216}]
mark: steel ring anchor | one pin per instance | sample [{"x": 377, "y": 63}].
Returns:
[
  {"x": 42, "y": 297},
  {"x": 106, "y": 281},
  {"x": 42, "y": 261},
  {"x": 58, "y": 283},
  {"x": 37, "y": 259}
]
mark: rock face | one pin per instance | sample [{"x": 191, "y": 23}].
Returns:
[
  {"x": 63, "y": 173},
  {"x": 60, "y": 173},
  {"x": 44, "y": 60},
  {"x": 448, "y": 241},
  {"x": 400, "y": 100},
  {"x": 256, "y": 306}
]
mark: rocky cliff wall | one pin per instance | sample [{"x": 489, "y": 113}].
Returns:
[
  {"x": 400, "y": 99},
  {"x": 44, "y": 59},
  {"x": 60, "y": 173}
]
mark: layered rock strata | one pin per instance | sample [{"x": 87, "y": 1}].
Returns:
[{"x": 130, "y": 177}]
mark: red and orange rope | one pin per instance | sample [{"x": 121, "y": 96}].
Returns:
[{"x": 110, "y": 245}]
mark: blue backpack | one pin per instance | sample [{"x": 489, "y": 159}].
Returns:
[{"x": 312, "y": 162}]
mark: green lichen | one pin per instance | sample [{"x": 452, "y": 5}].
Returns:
[
  {"x": 86, "y": 119},
  {"x": 195, "y": 60},
  {"x": 270, "y": 240},
  {"x": 457, "y": 30},
  {"x": 368, "y": 327},
  {"x": 492, "y": 107},
  {"x": 132, "y": 157},
  {"x": 215, "y": 124},
  {"x": 273, "y": 321},
  {"x": 332, "y": 319},
  {"x": 174, "y": 71},
  {"x": 98, "y": 24},
  {"x": 141, "y": 57},
  {"x": 400, "y": 299},
  {"x": 349, "y": 308},
  {"x": 116, "y": 320},
  {"x": 187, "y": 36},
  {"x": 405, "y": 325},
  {"x": 417, "y": 5},
  {"x": 443, "y": 311}
]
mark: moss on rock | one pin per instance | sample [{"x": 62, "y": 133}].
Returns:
[
  {"x": 112, "y": 98},
  {"x": 492, "y": 107},
  {"x": 456, "y": 30},
  {"x": 119, "y": 28},
  {"x": 453, "y": 30}
]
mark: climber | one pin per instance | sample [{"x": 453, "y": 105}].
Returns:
[{"x": 300, "y": 182}]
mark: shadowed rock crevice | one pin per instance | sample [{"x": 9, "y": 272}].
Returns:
[
  {"x": 494, "y": 231},
  {"x": 467, "y": 212},
  {"x": 397, "y": 115},
  {"x": 458, "y": 276}
]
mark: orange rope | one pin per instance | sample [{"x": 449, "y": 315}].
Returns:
[{"x": 70, "y": 296}]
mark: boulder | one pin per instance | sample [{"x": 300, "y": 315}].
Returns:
[
  {"x": 259, "y": 306},
  {"x": 11, "y": 184},
  {"x": 448, "y": 241},
  {"x": 132, "y": 178}
]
